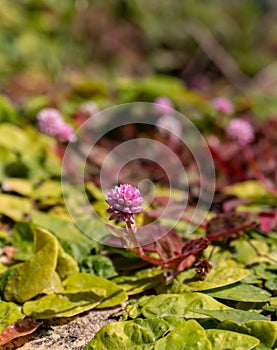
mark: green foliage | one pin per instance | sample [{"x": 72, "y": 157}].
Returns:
[
  {"x": 9, "y": 313},
  {"x": 67, "y": 52},
  {"x": 225, "y": 273},
  {"x": 7, "y": 112},
  {"x": 98, "y": 265}
]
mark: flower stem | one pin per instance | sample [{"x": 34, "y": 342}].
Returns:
[{"x": 130, "y": 231}]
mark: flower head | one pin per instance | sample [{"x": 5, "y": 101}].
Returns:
[
  {"x": 125, "y": 201},
  {"x": 163, "y": 105},
  {"x": 223, "y": 105},
  {"x": 169, "y": 124},
  {"x": 65, "y": 133},
  {"x": 89, "y": 108},
  {"x": 241, "y": 131},
  {"x": 49, "y": 120}
]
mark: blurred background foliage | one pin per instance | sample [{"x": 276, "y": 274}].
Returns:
[{"x": 48, "y": 47}]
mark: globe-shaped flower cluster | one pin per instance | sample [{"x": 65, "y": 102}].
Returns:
[
  {"x": 241, "y": 131},
  {"x": 51, "y": 122},
  {"x": 124, "y": 201}
]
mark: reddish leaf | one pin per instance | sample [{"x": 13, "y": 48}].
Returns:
[
  {"x": 226, "y": 224},
  {"x": 268, "y": 221},
  {"x": 18, "y": 329},
  {"x": 167, "y": 246}
]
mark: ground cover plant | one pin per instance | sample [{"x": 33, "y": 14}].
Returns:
[{"x": 192, "y": 264}]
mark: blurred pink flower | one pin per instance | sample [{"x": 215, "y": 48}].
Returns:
[
  {"x": 223, "y": 105},
  {"x": 241, "y": 131},
  {"x": 163, "y": 105},
  {"x": 168, "y": 124},
  {"x": 89, "y": 108},
  {"x": 49, "y": 121},
  {"x": 65, "y": 133}
]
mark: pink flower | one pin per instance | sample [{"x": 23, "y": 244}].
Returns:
[
  {"x": 223, "y": 105},
  {"x": 65, "y": 133},
  {"x": 168, "y": 124},
  {"x": 241, "y": 131},
  {"x": 89, "y": 108},
  {"x": 163, "y": 105},
  {"x": 125, "y": 201},
  {"x": 49, "y": 120}
]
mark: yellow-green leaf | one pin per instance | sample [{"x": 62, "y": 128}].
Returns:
[
  {"x": 189, "y": 335},
  {"x": 63, "y": 305},
  {"x": 9, "y": 313},
  {"x": 14, "y": 207},
  {"x": 115, "y": 295},
  {"x": 35, "y": 274},
  {"x": 222, "y": 340},
  {"x": 225, "y": 273},
  {"x": 21, "y": 186}
]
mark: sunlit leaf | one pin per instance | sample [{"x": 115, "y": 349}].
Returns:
[
  {"x": 9, "y": 313},
  {"x": 20, "y": 186},
  {"x": 233, "y": 315},
  {"x": 225, "y": 273},
  {"x": 36, "y": 274},
  {"x": 140, "y": 281},
  {"x": 241, "y": 292},
  {"x": 182, "y": 305},
  {"x": 136, "y": 334},
  {"x": 252, "y": 190},
  {"x": 189, "y": 335},
  {"x": 222, "y": 340},
  {"x": 14, "y": 207},
  {"x": 115, "y": 295},
  {"x": 64, "y": 305},
  {"x": 265, "y": 331}
]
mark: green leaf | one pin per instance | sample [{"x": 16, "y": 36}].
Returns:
[
  {"x": 71, "y": 239},
  {"x": 23, "y": 239},
  {"x": 245, "y": 252},
  {"x": 240, "y": 316},
  {"x": 36, "y": 274},
  {"x": 224, "y": 340},
  {"x": 241, "y": 292},
  {"x": 48, "y": 189},
  {"x": 9, "y": 133},
  {"x": 182, "y": 305},
  {"x": 252, "y": 190},
  {"x": 94, "y": 191},
  {"x": 7, "y": 112},
  {"x": 262, "y": 271},
  {"x": 265, "y": 331},
  {"x": 98, "y": 265},
  {"x": 136, "y": 334},
  {"x": 14, "y": 207},
  {"x": 66, "y": 265},
  {"x": 225, "y": 273},
  {"x": 140, "y": 281},
  {"x": 63, "y": 305},
  {"x": 20, "y": 186},
  {"x": 189, "y": 335},
  {"x": 115, "y": 295},
  {"x": 9, "y": 313},
  {"x": 271, "y": 284}
]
